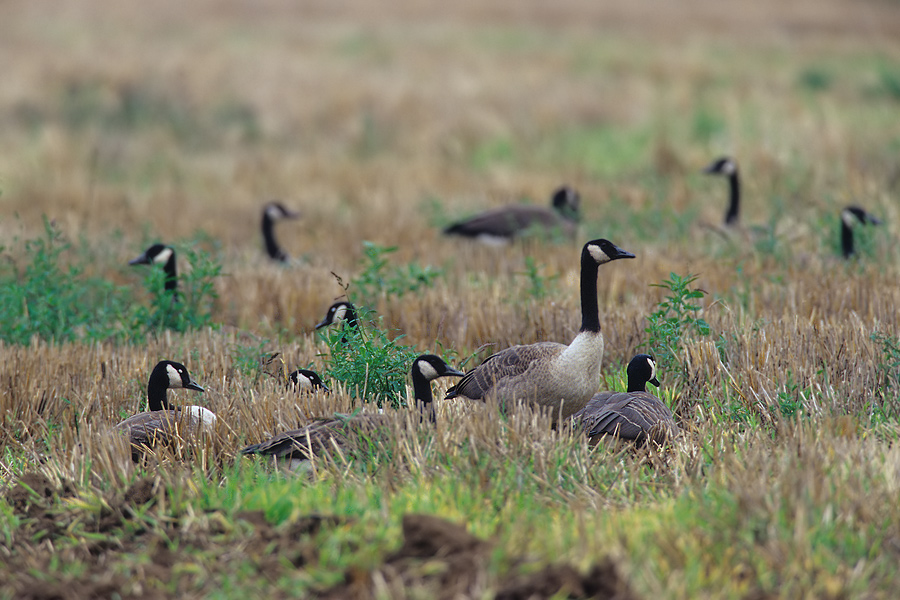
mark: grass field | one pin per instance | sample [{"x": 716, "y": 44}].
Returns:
[{"x": 126, "y": 124}]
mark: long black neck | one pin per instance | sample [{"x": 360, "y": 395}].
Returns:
[
  {"x": 734, "y": 182},
  {"x": 731, "y": 217},
  {"x": 171, "y": 275},
  {"x": 156, "y": 392},
  {"x": 424, "y": 398},
  {"x": 590, "y": 310},
  {"x": 847, "y": 240},
  {"x": 268, "y": 231}
]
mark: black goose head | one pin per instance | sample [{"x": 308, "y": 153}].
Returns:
[
  {"x": 567, "y": 202},
  {"x": 849, "y": 216},
  {"x": 425, "y": 369},
  {"x": 275, "y": 211},
  {"x": 160, "y": 254},
  {"x": 339, "y": 311},
  {"x": 641, "y": 371},
  {"x": 168, "y": 374},
  {"x": 304, "y": 380},
  {"x": 727, "y": 167}
]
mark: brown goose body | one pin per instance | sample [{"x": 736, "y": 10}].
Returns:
[
  {"x": 504, "y": 223},
  {"x": 162, "y": 424},
  {"x": 549, "y": 374},
  {"x": 352, "y": 433},
  {"x": 634, "y": 415}
]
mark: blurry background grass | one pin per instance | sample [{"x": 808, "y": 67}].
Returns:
[{"x": 125, "y": 125}]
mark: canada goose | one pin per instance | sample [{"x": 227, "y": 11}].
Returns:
[
  {"x": 339, "y": 311},
  {"x": 550, "y": 374},
  {"x": 502, "y": 224},
  {"x": 160, "y": 254},
  {"x": 345, "y": 430},
  {"x": 727, "y": 167},
  {"x": 274, "y": 211},
  {"x": 162, "y": 421},
  {"x": 633, "y": 415},
  {"x": 849, "y": 216},
  {"x": 304, "y": 380}
]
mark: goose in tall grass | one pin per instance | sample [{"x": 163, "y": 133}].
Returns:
[
  {"x": 160, "y": 254},
  {"x": 272, "y": 212},
  {"x": 502, "y": 224},
  {"x": 635, "y": 415},
  {"x": 305, "y": 380},
  {"x": 337, "y": 312},
  {"x": 849, "y": 217},
  {"x": 549, "y": 374},
  {"x": 163, "y": 422},
  {"x": 353, "y": 432}
]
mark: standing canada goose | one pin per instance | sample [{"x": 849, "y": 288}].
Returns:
[
  {"x": 160, "y": 254},
  {"x": 849, "y": 216},
  {"x": 727, "y": 167},
  {"x": 548, "y": 374},
  {"x": 339, "y": 311},
  {"x": 503, "y": 224},
  {"x": 304, "y": 380},
  {"x": 274, "y": 211},
  {"x": 162, "y": 421},
  {"x": 633, "y": 415},
  {"x": 345, "y": 431}
]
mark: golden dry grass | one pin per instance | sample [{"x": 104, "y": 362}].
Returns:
[{"x": 127, "y": 124}]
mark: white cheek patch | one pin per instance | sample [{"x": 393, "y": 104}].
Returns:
[
  {"x": 339, "y": 313},
  {"x": 163, "y": 256},
  {"x": 652, "y": 368},
  {"x": 174, "y": 377},
  {"x": 848, "y": 218},
  {"x": 599, "y": 255},
  {"x": 427, "y": 370},
  {"x": 728, "y": 167},
  {"x": 303, "y": 382},
  {"x": 273, "y": 213}
]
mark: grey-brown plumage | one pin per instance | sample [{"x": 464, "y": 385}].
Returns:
[
  {"x": 549, "y": 374},
  {"x": 353, "y": 432},
  {"x": 162, "y": 423},
  {"x": 634, "y": 415},
  {"x": 504, "y": 223}
]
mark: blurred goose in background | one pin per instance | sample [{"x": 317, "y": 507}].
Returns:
[
  {"x": 849, "y": 217},
  {"x": 502, "y": 224},
  {"x": 634, "y": 415},
  {"x": 160, "y": 254},
  {"x": 727, "y": 167},
  {"x": 351, "y": 432},
  {"x": 274, "y": 211},
  {"x": 337, "y": 312},
  {"x": 162, "y": 422},
  {"x": 549, "y": 374}
]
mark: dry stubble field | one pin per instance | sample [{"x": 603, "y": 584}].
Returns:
[{"x": 126, "y": 124}]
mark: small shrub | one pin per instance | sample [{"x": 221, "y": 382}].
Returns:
[
  {"x": 378, "y": 279},
  {"x": 674, "y": 320}
]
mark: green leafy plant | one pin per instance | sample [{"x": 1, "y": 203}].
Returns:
[
  {"x": 369, "y": 364},
  {"x": 539, "y": 285},
  {"x": 674, "y": 320},
  {"x": 43, "y": 298},
  {"x": 377, "y": 278},
  {"x": 191, "y": 306}
]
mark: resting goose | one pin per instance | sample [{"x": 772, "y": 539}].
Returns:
[
  {"x": 304, "y": 380},
  {"x": 548, "y": 374},
  {"x": 502, "y": 224},
  {"x": 160, "y": 254},
  {"x": 635, "y": 415},
  {"x": 849, "y": 217},
  {"x": 162, "y": 422},
  {"x": 350, "y": 432}
]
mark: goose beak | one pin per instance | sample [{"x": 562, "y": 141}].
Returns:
[
  {"x": 322, "y": 324},
  {"x": 451, "y": 372},
  {"x": 873, "y": 219},
  {"x": 193, "y": 385},
  {"x": 140, "y": 260},
  {"x": 654, "y": 381},
  {"x": 619, "y": 253}
]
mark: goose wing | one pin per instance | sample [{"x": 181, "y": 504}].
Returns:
[
  {"x": 627, "y": 415},
  {"x": 506, "y": 221},
  {"x": 312, "y": 440},
  {"x": 497, "y": 369}
]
